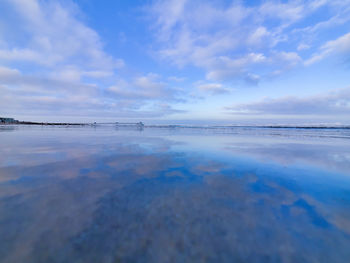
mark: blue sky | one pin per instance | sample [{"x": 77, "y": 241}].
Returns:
[{"x": 182, "y": 61}]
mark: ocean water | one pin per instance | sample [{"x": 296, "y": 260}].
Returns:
[{"x": 108, "y": 194}]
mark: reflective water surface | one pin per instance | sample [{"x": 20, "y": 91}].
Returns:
[{"x": 101, "y": 194}]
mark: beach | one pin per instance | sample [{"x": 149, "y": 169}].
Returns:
[{"x": 106, "y": 194}]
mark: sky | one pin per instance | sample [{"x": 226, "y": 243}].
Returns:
[{"x": 176, "y": 61}]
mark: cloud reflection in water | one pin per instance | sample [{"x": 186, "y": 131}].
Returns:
[{"x": 116, "y": 196}]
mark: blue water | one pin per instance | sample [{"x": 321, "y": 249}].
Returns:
[{"x": 107, "y": 194}]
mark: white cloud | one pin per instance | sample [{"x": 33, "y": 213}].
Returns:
[
  {"x": 303, "y": 46},
  {"x": 213, "y": 88},
  {"x": 290, "y": 59},
  {"x": 335, "y": 102},
  {"x": 54, "y": 37},
  {"x": 23, "y": 54},
  {"x": 340, "y": 15},
  {"x": 228, "y": 41},
  {"x": 8, "y": 73},
  {"x": 97, "y": 74},
  {"x": 220, "y": 37},
  {"x": 257, "y": 36},
  {"x": 148, "y": 87},
  {"x": 176, "y": 79},
  {"x": 224, "y": 67},
  {"x": 59, "y": 86},
  {"x": 52, "y": 56},
  {"x": 339, "y": 46},
  {"x": 290, "y": 11},
  {"x": 29, "y": 95},
  {"x": 69, "y": 71},
  {"x": 170, "y": 13},
  {"x": 190, "y": 36}
]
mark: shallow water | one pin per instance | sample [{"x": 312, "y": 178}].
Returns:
[{"x": 101, "y": 194}]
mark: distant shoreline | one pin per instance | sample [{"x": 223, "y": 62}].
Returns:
[
  {"x": 180, "y": 126},
  {"x": 46, "y": 123}
]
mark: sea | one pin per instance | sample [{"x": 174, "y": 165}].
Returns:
[{"x": 108, "y": 193}]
